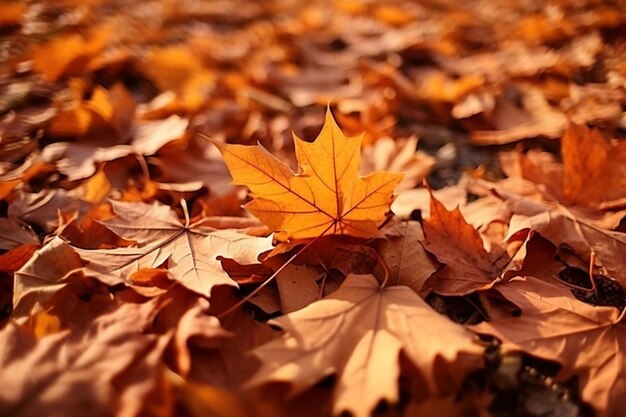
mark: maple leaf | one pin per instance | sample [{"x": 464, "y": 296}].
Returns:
[
  {"x": 359, "y": 331},
  {"x": 588, "y": 341},
  {"x": 327, "y": 193},
  {"x": 469, "y": 267},
  {"x": 190, "y": 249}
]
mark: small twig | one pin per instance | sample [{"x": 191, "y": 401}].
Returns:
[
  {"x": 323, "y": 283},
  {"x": 592, "y": 261},
  {"x": 143, "y": 165},
  {"x": 385, "y": 268}
]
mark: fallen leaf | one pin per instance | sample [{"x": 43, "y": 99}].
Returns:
[
  {"x": 198, "y": 327},
  {"x": 107, "y": 114},
  {"x": 469, "y": 267},
  {"x": 387, "y": 154},
  {"x": 79, "y": 160},
  {"x": 12, "y": 13},
  {"x": 68, "y": 55},
  {"x": 13, "y": 234},
  {"x": 14, "y": 259},
  {"x": 45, "y": 208},
  {"x": 583, "y": 238},
  {"x": 297, "y": 287},
  {"x": 108, "y": 368},
  {"x": 359, "y": 331},
  {"x": 409, "y": 264},
  {"x": 189, "y": 250},
  {"x": 327, "y": 195},
  {"x": 587, "y": 341},
  {"x": 42, "y": 276},
  {"x": 589, "y": 160}
]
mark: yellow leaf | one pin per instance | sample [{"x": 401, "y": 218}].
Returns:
[
  {"x": 68, "y": 55},
  {"x": 327, "y": 195}
]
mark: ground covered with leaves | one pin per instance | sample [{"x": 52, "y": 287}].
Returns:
[{"x": 312, "y": 208}]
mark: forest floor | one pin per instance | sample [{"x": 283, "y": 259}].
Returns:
[{"x": 490, "y": 284}]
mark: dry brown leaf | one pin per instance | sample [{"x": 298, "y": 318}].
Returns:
[
  {"x": 231, "y": 365},
  {"x": 408, "y": 263},
  {"x": 199, "y": 328},
  {"x": 45, "y": 208},
  {"x": 469, "y": 267},
  {"x": 359, "y": 331},
  {"x": 14, "y": 234},
  {"x": 42, "y": 276},
  {"x": 590, "y": 160},
  {"x": 107, "y": 368},
  {"x": 583, "y": 238},
  {"x": 189, "y": 250},
  {"x": 587, "y": 341}
]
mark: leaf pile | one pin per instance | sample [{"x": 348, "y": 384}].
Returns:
[{"x": 219, "y": 208}]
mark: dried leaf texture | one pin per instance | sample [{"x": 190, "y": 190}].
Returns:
[
  {"x": 409, "y": 264},
  {"x": 358, "y": 333},
  {"x": 326, "y": 196},
  {"x": 594, "y": 168},
  {"x": 107, "y": 368},
  {"x": 42, "y": 276},
  {"x": 469, "y": 267},
  {"x": 189, "y": 250},
  {"x": 587, "y": 341},
  {"x": 582, "y": 237}
]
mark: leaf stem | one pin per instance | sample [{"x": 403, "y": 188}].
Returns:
[{"x": 274, "y": 275}]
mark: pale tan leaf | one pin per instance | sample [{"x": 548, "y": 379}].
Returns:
[
  {"x": 43, "y": 208},
  {"x": 42, "y": 276},
  {"x": 582, "y": 237},
  {"x": 586, "y": 340},
  {"x": 107, "y": 368},
  {"x": 297, "y": 287},
  {"x": 190, "y": 250},
  {"x": 358, "y": 332}
]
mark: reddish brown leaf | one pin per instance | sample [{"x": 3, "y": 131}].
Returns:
[{"x": 469, "y": 267}]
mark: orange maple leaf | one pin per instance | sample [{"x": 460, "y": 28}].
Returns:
[{"x": 326, "y": 195}]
